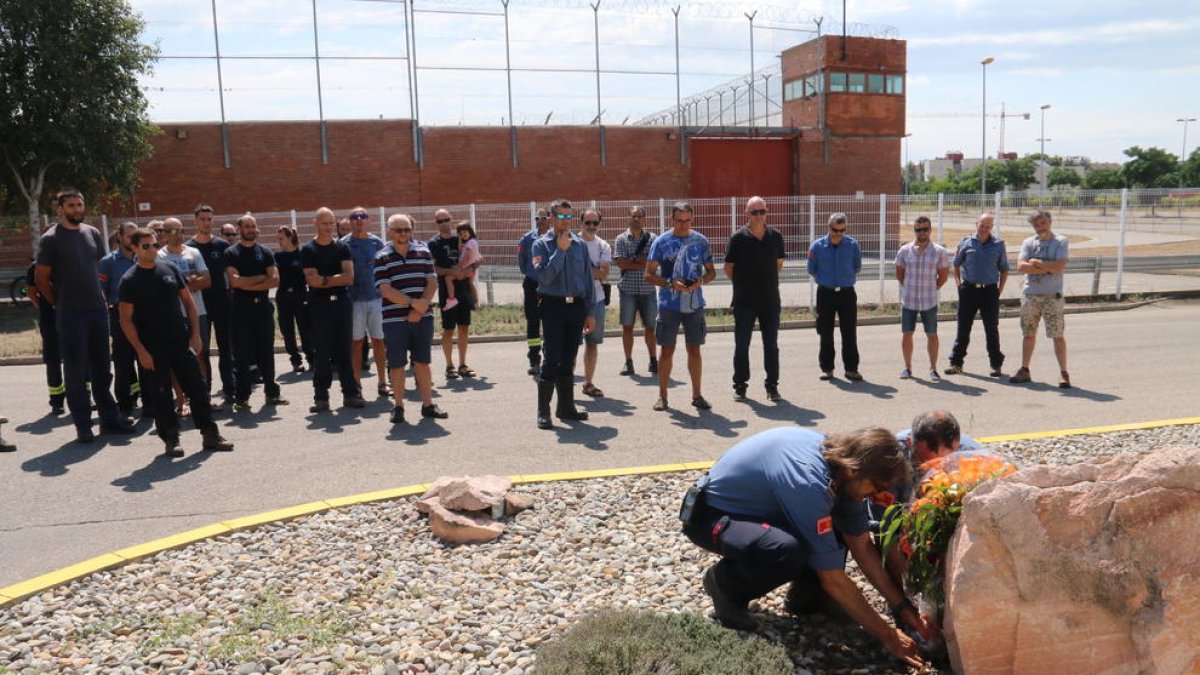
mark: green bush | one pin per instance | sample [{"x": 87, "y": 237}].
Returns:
[{"x": 643, "y": 643}]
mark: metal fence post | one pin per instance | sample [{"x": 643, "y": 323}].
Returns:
[
  {"x": 488, "y": 279},
  {"x": 996, "y": 214},
  {"x": 882, "y": 242},
  {"x": 293, "y": 219},
  {"x": 1121, "y": 240},
  {"x": 812, "y": 236},
  {"x": 941, "y": 217},
  {"x": 471, "y": 211},
  {"x": 532, "y": 215},
  {"x": 662, "y": 215},
  {"x": 104, "y": 228},
  {"x": 732, "y": 215},
  {"x": 382, "y": 223}
]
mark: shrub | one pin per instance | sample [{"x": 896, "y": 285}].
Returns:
[{"x": 625, "y": 642}]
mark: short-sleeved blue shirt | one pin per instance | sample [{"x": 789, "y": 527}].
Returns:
[
  {"x": 363, "y": 252},
  {"x": 981, "y": 261},
  {"x": 681, "y": 258},
  {"x": 781, "y": 477},
  {"x": 112, "y": 267},
  {"x": 835, "y": 266}
]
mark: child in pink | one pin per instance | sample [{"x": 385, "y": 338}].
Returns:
[{"x": 469, "y": 258}]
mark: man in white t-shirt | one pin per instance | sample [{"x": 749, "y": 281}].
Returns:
[
  {"x": 601, "y": 254},
  {"x": 190, "y": 262}
]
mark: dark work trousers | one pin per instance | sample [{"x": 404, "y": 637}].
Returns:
[
  {"x": 254, "y": 343},
  {"x": 743, "y": 327},
  {"x": 757, "y": 557},
  {"x": 125, "y": 379},
  {"x": 51, "y": 356},
  {"x": 533, "y": 321},
  {"x": 332, "y": 345},
  {"x": 843, "y": 305},
  {"x": 157, "y": 391},
  {"x": 562, "y": 328},
  {"x": 83, "y": 342},
  {"x": 292, "y": 307},
  {"x": 985, "y": 301},
  {"x": 216, "y": 304}
]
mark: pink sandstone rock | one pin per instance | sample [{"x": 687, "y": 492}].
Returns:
[
  {"x": 462, "y": 528},
  {"x": 515, "y": 503},
  {"x": 475, "y": 493},
  {"x": 1092, "y": 568}
]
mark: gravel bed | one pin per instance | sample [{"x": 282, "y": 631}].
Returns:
[{"x": 366, "y": 589}]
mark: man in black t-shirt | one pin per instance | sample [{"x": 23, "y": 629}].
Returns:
[
  {"x": 328, "y": 271},
  {"x": 216, "y": 298},
  {"x": 165, "y": 343},
  {"x": 753, "y": 261},
  {"x": 68, "y": 278},
  {"x": 250, "y": 269},
  {"x": 444, "y": 248}
]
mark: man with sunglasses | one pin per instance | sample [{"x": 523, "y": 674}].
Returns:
[
  {"x": 216, "y": 301},
  {"x": 166, "y": 342},
  {"x": 637, "y": 297},
  {"x": 368, "y": 313},
  {"x": 444, "y": 248},
  {"x": 252, "y": 273},
  {"x": 601, "y": 255},
  {"x": 403, "y": 272},
  {"x": 68, "y": 278},
  {"x": 533, "y": 321},
  {"x": 922, "y": 268},
  {"x": 753, "y": 260},
  {"x": 566, "y": 286},
  {"x": 328, "y": 271},
  {"x": 834, "y": 262},
  {"x": 980, "y": 272},
  {"x": 112, "y": 267}
]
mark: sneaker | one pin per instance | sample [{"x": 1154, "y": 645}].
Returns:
[
  {"x": 319, "y": 406},
  {"x": 450, "y": 304},
  {"x": 277, "y": 400},
  {"x": 1064, "y": 380},
  {"x": 739, "y": 394},
  {"x": 660, "y": 404},
  {"x": 853, "y": 376},
  {"x": 934, "y": 377},
  {"x": 628, "y": 369},
  {"x": 700, "y": 403},
  {"x": 298, "y": 368},
  {"x": 954, "y": 369},
  {"x": 432, "y": 410},
  {"x": 773, "y": 394},
  {"x": 996, "y": 372},
  {"x": 397, "y": 415},
  {"x": 1020, "y": 377},
  {"x": 826, "y": 375},
  {"x": 354, "y": 401},
  {"x": 241, "y": 405},
  {"x": 725, "y": 610},
  {"x": 905, "y": 374},
  {"x": 653, "y": 367},
  {"x": 216, "y": 406}
]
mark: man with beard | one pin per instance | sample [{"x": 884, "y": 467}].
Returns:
[
  {"x": 166, "y": 343},
  {"x": 112, "y": 268},
  {"x": 328, "y": 271},
  {"x": 68, "y": 277},
  {"x": 216, "y": 299},
  {"x": 922, "y": 267},
  {"x": 444, "y": 248},
  {"x": 251, "y": 270}
]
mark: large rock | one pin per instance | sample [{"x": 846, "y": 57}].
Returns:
[
  {"x": 467, "y": 493},
  {"x": 462, "y": 528},
  {"x": 1091, "y": 568}
]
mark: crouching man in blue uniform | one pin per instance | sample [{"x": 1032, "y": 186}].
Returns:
[{"x": 785, "y": 506}]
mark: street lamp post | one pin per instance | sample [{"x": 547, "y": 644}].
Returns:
[
  {"x": 907, "y": 177},
  {"x": 1183, "y": 153},
  {"x": 1043, "y": 140},
  {"x": 983, "y": 172}
]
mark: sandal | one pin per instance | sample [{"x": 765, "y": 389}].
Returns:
[
  {"x": 1020, "y": 377},
  {"x": 465, "y": 371},
  {"x": 451, "y": 373},
  {"x": 592, "y": 390},
  {"x": 1064, "y": 380},
  {"x": 384, "y": 390}
]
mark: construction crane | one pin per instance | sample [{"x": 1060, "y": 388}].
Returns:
[{"x": 1003, "y": 115}]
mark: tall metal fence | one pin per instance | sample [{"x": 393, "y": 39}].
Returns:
[{"x": 1121, "y": 242}]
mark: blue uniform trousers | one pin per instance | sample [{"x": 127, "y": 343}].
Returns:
[
  {"x": 83, "y": 341},
  {"x": 562, "y": 331},
  {"x": 985, "y": 301}
]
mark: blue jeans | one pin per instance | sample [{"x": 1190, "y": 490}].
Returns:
[{"x": 743, "y": 329}]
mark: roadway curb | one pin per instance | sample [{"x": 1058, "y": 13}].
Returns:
[{"x": 19, "y": 591}]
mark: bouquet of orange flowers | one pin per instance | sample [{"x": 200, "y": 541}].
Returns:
[{"x": 923, "y": 529}]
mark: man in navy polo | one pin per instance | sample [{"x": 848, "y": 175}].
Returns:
[
  {"x": 112, "y": 267},
  {"x": 834, "y": 261},
  {"x": 533, "y": 321},
  {"x": 980, "y": 271}
]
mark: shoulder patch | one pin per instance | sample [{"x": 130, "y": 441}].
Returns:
[{"x": 825, "y": 525}]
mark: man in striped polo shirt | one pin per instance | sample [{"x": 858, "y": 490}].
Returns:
[{"x": 406, "y": 279}]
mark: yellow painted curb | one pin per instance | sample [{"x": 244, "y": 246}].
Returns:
[
  {"x": 44, "y": 582},
  {"x": 1133, "y": 426}
]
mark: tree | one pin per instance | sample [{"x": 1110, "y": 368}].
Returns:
[
  {"x": 1018, "y": 174},
  {"x": 75, "y": 114},
  {"x": 1104, "y": 179},
  {"x": 1147, "y": 167},
  {"x": 1190, "y": 171},
  {"x": 1063, "y": 176}
]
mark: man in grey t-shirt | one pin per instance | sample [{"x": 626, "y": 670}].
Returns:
[
  {"x": 68, "y": 277},
  {"x": 1043, "y": 259}
]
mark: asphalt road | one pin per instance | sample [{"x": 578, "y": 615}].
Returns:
[{"x": 63, "y": 502}]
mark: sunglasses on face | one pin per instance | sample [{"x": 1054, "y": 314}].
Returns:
[
  {"x": 147, "y": 247},
  {"x": 565, "y": 216},
  {"x": 922, "y": 229},
  {"x": 837, "y": 230},
  {"x": 637, "y": 216},
  {"x": 540, "y": 219},
  {"x": 591, "y": 222},
  {"x": 400, "y": 229},
  {"x": 358, "y": 216},
  {"x": 758, "y": 212},
  {"x": 442, "y": 221}
]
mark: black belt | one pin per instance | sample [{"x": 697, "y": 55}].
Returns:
[
  {"x": 570, "y": 299},
  {"x": 251, "y": 298},
  {"x": 969, "y": 284},
  {"x": 838, "y": 289}
]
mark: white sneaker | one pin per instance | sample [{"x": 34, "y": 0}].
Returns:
[
  {"x": 905, "y": 374},
  {"x": 934, "y": 377}
]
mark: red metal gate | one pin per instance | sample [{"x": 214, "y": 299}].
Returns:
[{"x": 722, "y": 167}]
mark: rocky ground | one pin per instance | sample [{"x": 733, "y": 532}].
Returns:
[{"x": 366, "y": 589}]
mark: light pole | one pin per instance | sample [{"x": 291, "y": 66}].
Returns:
[
  {"x": 1183, "y": 153},
  {"x": 907, "y": 177},
  {"x": 983, "y": 171},
  {"x": 1043, "y": 140}
]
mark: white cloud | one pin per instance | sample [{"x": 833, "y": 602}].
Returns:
[{"x": 1109, "y": 33}]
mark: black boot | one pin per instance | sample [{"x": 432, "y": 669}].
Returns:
[
  {"x": 545, "y": 393},
  {"x": 213, "y": 441},
  {"x": 566, "y": 400}
]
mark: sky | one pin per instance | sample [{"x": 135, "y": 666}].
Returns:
[{"x": 1115, "y": 74}]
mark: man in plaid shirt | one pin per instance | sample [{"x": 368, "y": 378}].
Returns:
[
  {"x": 637, "y": 296},
  {"x": 921, "y": 268}
]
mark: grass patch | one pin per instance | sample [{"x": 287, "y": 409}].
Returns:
[
  {"x": 164, "y": 632},
  {"x": 268, "y": 619},
  {"x": 641, "y": 643}
]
